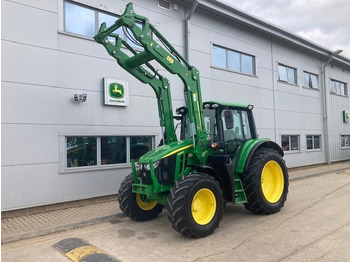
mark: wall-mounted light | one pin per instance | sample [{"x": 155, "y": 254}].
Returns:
[{"x": 80, "y": 97}]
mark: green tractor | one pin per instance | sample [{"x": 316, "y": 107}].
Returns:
[{"x": 217, "y": 158}]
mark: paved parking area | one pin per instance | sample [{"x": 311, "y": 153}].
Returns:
[{"x": 314, "y": 225}]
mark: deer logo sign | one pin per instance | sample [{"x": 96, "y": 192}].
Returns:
[{"x": 116, "y": 90}]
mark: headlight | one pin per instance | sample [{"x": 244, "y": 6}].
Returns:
[{"x": 147, "y": 166}]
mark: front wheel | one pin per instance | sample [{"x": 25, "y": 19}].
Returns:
[
  {"x": 133, "y": 205},
  {"x": 266, "y": 182},
  {"x": 195, "y": 205}
]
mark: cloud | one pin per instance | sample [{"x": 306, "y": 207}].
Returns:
[{"x": 326, "y": 22}]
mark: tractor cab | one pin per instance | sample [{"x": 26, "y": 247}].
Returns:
[{"x": 229, "y": 126}]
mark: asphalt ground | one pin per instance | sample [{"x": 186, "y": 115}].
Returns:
[{"x": 314, "y": 225}]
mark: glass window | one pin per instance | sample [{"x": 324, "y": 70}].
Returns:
[
  {"x": 113, "y": 150},
  {"x": 345, "y": 141},
  {"x": 241, "y": 127},
  {"x": 310, "y": 80},
  {"x": 219, "y": 57},
  {"x": 233, "y": 60},
  {"x": 247, "y": 64},
  {"x": 139, "y": 145},
  {"x": 313, "y": 142},
  {"x": 79, "y": 20},
  {"x": 287, "y": 74},
  {"x": 290, "y": 142},
  {"x": 81, "y": 151},
  {"x": 339, "y": 88}
]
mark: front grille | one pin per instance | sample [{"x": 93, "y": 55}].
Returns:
[
  {"x": 166, "y": 170},
  {"x": 145, "y": 176}
]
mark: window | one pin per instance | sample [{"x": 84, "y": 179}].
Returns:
[
  {"x": 241, "y": 127},
  {"x": 233, "y": 60},
  {"x": 339, "y": 88},
  {"x": 345, "y": 141},
  {"x": 85, "y": 21},
  {"x": 86, "y": 151},
  {"x": 310, "y": 80},
  {"x": 313, "y": 142},
  {"x": 287, "y": 74},
  {"x": 290, "y": 142},
  {"x": 81, "y": 151},
  {"x": 164, "y": 3}
]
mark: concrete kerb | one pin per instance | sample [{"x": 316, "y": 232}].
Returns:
[
  {"x": 13, "y": 235},
  {"x": 55, "y": 229}
]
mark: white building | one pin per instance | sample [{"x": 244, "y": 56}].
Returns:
[{"x": 56, "y": 149}]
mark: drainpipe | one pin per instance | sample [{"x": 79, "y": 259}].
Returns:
[
  {"x": 187, "y": 30},
  {"x": 325, "y": 105}
]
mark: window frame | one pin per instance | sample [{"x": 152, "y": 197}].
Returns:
[
  {"x": 346, "y": 91},
  {"x": 313, "y": 142},
  {"x": 285, "y": 79},
  {"x": 228, "y": 51},
  {"x": 99, "y": 165},
  {"x": 341, "y": 141},
  {"x": 289, "y": 144},
  {"x": 310, "y": 75},
  {"x": 98, "y": 11}
]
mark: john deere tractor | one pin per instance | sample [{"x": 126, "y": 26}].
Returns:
[{"x": 217, "y": 157}]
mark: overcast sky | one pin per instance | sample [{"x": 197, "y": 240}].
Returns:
[{"x": 325, "y": 22}]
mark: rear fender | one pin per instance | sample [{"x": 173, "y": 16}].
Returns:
[{"x": 250, "y": 147}]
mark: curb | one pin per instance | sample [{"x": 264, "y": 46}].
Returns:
[{"x": 46, "y": 231}]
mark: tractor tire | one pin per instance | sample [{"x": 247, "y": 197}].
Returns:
[
  {"x": 133, "y": 206},
  {"x": 266, "y": 182},
  {"x": 195, "y": 205}
]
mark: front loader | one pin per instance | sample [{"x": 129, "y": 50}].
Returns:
[{"x": 217, "y": 158}]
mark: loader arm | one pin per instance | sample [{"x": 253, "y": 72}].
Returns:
[{"x": 138, "y": 64}]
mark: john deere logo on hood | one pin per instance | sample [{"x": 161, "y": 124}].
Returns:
[{"x": 116, "y": 90}]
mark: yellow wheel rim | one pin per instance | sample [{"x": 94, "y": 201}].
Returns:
[
  {"x": 145, "y": 205},
  {"x": 272, "y": 181},
  {"x": 203, "y": 206}
]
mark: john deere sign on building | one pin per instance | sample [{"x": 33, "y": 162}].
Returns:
[{"x": 115, "y": 92}]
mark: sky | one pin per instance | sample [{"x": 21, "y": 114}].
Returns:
[{"x": 324, "y": 22}]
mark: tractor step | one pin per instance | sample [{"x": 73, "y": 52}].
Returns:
[{"x": 240, "y": 197}]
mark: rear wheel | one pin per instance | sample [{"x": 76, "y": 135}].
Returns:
[
  {"x": 133, "y": 205},
  {"x": 195, "y": 205},
  {"x": 266, "y": 182}
]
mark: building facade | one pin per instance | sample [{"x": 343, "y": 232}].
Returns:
[{"x": 61, "y": 138}]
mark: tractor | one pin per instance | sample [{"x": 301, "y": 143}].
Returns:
[{"x": 215, "y": 158}]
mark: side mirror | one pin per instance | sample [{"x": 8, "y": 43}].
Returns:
[{"x": 228, "y": 119}]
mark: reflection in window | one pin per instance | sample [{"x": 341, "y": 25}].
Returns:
[
  {"x": 287, "y": 74},
  {"x": 290, "y": 142},
  {"x": 313, "y": 142},
  {"x": 81, "y": 151},
  {"x": 219, "y": 57},
  {"x": 310, "y": 80},
  {"x": 345, "y": 141},
  {"x": 139, "y": 145},
  {"x": 79, "y": 20},
  {"x": 233, "y": 60},
  {"x": 113, "y": 150},
  {"x": 339, "y": 88}
]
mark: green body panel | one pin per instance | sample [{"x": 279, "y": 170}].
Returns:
[
  {"x": 166, "y": 150},
  {"x": 245, "y": 151}
]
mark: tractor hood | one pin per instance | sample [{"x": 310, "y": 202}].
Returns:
[{"x": 165, "y": 151}]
